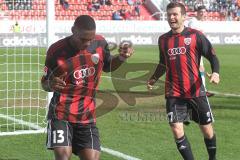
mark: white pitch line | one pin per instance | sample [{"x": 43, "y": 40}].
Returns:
[
  {"x": 22, "y": 132},
  {"x": 118, "y": 154},
  {"x": 31, "y": 125},
  {"x": 225, "y": 94}
]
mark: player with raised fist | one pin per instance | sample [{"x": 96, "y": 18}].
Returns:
[{"x": 73, "y": 69}]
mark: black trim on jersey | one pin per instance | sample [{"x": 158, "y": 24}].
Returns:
[
  {"x": 207, "y": 51},
  {"x": 68, "y": 100},
  {"x": 189, "y": 66},
  {"x": 161, "y": 55},
  {"x": 84, "y": 91},
  {"x": 89, "y": 115},
  {"x": 80, "y": 108},
  {"x": 179, "y": 71},
  {"x": 214, "y": 64}
]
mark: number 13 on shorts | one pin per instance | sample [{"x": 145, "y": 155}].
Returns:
[{"x": 58, "y": 136}]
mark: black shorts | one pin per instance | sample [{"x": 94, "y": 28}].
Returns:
[
  {"x": 63, "y": 133},
  {"x": 183, "y": 110}
]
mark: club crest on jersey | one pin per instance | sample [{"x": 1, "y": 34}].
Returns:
[
  {"x": 187, "y": 41},
  {"x": 95, "y": 58}
]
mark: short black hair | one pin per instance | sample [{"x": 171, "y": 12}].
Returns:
[
  {"x": 177, "y": 4},
  {"x": 85, "y": 22},
  {"x": 201, "y": 7}
]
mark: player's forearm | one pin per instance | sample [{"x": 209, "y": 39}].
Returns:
[
  {"x": 214, "y": 63},
  {"x": 115, "y": 63},
  {"x": 159, "y": 71}
]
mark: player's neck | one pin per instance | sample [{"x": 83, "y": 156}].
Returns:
[
  {"x": 72, "y": 44},
  {"x": 177, "y": 31}
]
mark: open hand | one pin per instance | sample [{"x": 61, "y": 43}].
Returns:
[
  {"x": 150, "y": 84},
  {"x": 214, "y": 77},
  {"x": 57, "y": 83}
]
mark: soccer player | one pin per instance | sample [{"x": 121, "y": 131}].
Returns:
[
  {"x": 72, "y": 71},
  {"x": 196, "y": 24},
  {"x": 180, "y": 52}
]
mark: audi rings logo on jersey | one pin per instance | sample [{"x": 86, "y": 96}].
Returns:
[
  {"x": 176, "y": 51},
  {"x": 83, "y": 73}
]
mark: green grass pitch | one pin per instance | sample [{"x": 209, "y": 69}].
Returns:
[{"x": 136, "y": 128}]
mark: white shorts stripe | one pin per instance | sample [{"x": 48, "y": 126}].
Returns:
[
  {"x": 49, "y": 134},
  {"x": 67, "y": 135},
  {"x": 91, "y": 135},
  {"x": 210, "y": 109}
]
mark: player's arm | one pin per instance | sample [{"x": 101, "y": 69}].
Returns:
[
  {"x": 50, "y": 82},
  {"x": 53, "y": 83},
  {"x": 208, "y": 52},
  {"x": 111, "y": 63},
  {"x": 159, "y": 71}
]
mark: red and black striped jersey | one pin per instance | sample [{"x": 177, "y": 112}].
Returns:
[
  {"x": 181, "y": 54},
  {"x": 76, "y": 103}
]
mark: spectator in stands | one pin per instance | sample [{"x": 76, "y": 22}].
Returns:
[
  {"x": 96, "y": 5},
  {"x": 116, "y": 15},
  {"x": 238, "y": 14},
  {"x": 90, "y": 7},
  {"x": 127, "y": 15},
  {"x": 122, "y": 11},
  {"x": 108, "y": 2},
  {"x": 196, "y": 24},
  {"x": 230, "y": 16},
  {"x": 137, "y": 7},
  {"x": 16, "y": 28},
  {"x": 102, "y": 2},
  {"x": 64, "y": 4}
]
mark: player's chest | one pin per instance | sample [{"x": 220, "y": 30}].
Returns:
[
  {"x": 179, "y": 49},
  {"x": 82, "y": 67}
]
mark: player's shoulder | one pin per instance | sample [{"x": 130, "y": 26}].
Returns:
[
  {"x": 100, "y": 40},
  {"x": 164, "y": 36},
  {"x": 193, "y": 31},
  {"x": 99, "y": 37},
  {"x": 58, "y": 45}
]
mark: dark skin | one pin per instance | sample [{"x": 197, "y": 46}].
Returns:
[{"x": 80, "y": 40}]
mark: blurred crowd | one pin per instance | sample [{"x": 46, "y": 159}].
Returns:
[
  {"x": 122, "y": 13},
  {"x": 228, "y": 9}
]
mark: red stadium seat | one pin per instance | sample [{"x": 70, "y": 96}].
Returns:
[{"x": 77, "y": 7}]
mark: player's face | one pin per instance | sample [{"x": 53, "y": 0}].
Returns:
[
  {"x": 201, "y": 14},
  {"x": 82, "y": 38},
  {"x": 175, "y": 19}
]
